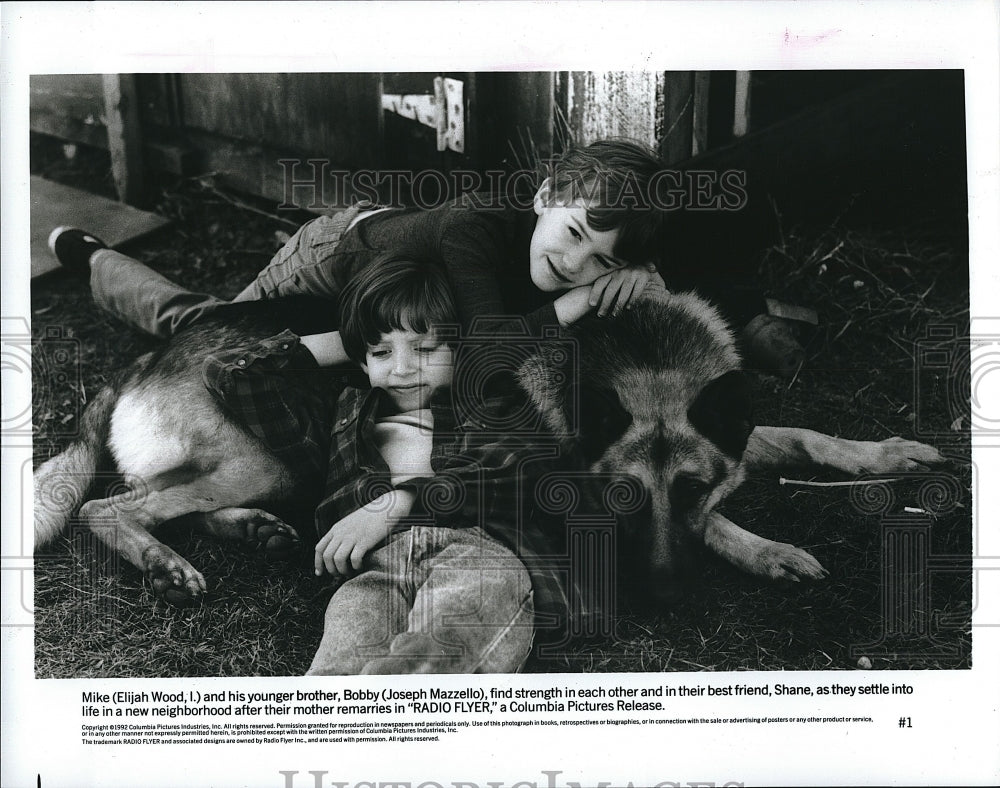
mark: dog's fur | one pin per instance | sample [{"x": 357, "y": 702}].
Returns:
[
  {"x": 179, "y": 452},
  {"x": 660, "y": 397}
]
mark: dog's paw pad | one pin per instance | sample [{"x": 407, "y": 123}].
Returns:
[
  {"x": 899, "y": 454},
  {"x": 281, "y": 543},
  {"x": 176, "y": 590},
  {"x": 179, "y": 598},
  {"x": 173, "y": 579},
  {"x": 267, "y": 532}
]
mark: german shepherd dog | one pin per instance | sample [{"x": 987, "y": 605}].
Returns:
[{"x": 660, "y": 396}]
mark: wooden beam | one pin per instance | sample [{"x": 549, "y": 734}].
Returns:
[
  {"x": 678, "y": 99},
  {"x": 525, "y": 103},
  {"x": 69, "y": 129},
  {"x": 741, "y": 104},
  {"x": 121, "y": 108},
  {"x": 699, "y": 133}
]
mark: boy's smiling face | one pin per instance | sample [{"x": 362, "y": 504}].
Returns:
[
  {"x": 410, "y": 366},
  {"x": 565, "y": 252}
]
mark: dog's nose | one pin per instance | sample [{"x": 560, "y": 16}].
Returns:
[{"x": 667, "y": 585}]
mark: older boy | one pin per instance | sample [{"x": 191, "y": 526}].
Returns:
[
  {"x": 591, "y": 241},
  {"x": 421, "y": 505}
]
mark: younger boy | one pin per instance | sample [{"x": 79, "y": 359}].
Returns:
[{"x": 418, "y": 504}]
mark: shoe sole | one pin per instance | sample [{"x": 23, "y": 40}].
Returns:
[{"x": 55, "y": 234}]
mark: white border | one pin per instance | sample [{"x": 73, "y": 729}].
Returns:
[{"x": 960, "y": 721}]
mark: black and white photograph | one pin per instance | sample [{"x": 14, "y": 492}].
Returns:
[
  {"x": 803, "y": 236},
  {"x": 543, "y": 392}
]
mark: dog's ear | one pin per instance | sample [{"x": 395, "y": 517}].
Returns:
[
  {"x": 600, "y": 417},
  {"x": 722, "y": 412}
]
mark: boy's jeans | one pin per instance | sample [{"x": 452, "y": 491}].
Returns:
[
  {"x": 431, "y": 600},
  {"x": 149, "y": 301}
]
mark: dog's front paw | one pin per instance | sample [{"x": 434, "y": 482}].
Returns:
[
  {"x": 174, "y": 580},
  {"x": 895, "y": 455},
  {"x": 269, "y": 533},
  {"x": 781, "y": 561}
]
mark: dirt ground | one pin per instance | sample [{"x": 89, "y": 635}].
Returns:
[{"x": 886, "y": 297}]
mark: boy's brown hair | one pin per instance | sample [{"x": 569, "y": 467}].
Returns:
[
  {"x": 616, "y": 177},
  {"x": 396, "y": 291}
]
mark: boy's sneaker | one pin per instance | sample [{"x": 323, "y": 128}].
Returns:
[{"x": 73, "y": 247}]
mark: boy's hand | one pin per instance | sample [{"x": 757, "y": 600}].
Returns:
[
  {"x": 655, "y": 286},
  {"x": 343, "y": 548},
  {"x": 578, "y": 302},
  {"x": 616, "y": 290}
]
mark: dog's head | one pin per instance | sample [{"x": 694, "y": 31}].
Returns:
[{"x": 660, "y": 398}]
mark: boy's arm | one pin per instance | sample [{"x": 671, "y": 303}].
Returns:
[
  {"x": 343, "y": 548},
  {"x": 475, "y": 250},
  {"x": 573, "y": 305},
  {"x": 327, "y": 349},
  {"x": 478, "y": 478},
  {"x": 610, "y": 293}
]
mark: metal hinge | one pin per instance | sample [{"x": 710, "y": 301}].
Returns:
[{"x": 444, "y": 111}]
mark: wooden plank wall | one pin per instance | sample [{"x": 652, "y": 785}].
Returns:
[
  {"x": 668, "y": 111},
  {"x": 241, "y": 125},
  {"x": 121, "y": 109},
  {"x": 615, "y": 104},
  {"x": 517, "y": 118},
  {"x": 68, "y": 106},
  {"x": 311, "y": 113},
  {"x": 678, "y": 115},
  {"x": 237, "y": 125}
]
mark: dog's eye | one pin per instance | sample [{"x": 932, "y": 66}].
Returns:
[{"x": 689, "y": 489}]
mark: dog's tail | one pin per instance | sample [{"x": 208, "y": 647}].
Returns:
[{"x": 62, "y": 483}]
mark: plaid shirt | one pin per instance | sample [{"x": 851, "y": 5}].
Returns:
[{"x": 321, "y": 426}]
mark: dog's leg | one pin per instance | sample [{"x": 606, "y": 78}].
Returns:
[
  {"x": 786, "y": 447},
  {"x": 255, "y": 527},
  {"x": 760, "y": 556},
  {"x": 61, "y": 483},
  {"x": 124, "y": 525}
]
